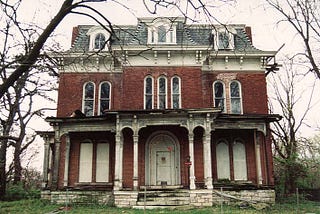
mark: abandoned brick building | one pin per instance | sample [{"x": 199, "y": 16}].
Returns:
[{"x": 160, "y": 106}]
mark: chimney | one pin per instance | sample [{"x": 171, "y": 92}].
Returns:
[
  {"x": 248, "y": 32},
  {"x": 75, "y": 32}
]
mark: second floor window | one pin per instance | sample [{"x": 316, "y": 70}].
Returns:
[
  {"x": 88, "y": 99},
  {"x": 235, "y": 97},
  {"x": 104, "y": 97},
  {"x": 162, "y": 93},
  {"x": 219, "y": 95},
  {"x": 175, "y": 93},
  {"x": 148, "y": 93}
]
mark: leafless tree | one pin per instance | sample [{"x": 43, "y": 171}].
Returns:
[
  {"x": 304, "y": 17},
  {"x": 295, "y": 103},
  {"x": 16, "y": 106}
]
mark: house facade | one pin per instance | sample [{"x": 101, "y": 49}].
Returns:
[{"x": 160, "y": 106}]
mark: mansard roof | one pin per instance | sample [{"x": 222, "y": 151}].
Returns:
[{"x": 187, "y": 35}]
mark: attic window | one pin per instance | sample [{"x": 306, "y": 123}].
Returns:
[
  {"x": 224, "y": 38},
  {"x": 162, "y": 32},
  {"x": 98, "y": 38},
  {"x": 99, "y": 41}
]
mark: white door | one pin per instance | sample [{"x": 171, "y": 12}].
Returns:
[
  {"x": 162, "y": 161},
  {"x": 164, "y": 168}
]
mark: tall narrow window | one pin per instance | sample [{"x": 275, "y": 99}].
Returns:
[
  {"x": 175, "y": 93},
  {"x": 102, "y": 162},
  {"x": 162, "y": 93},
  {"x": 85, "y": 163},
  {"x": 239, "y": 161},
  {"x": 235, "y": 97},
  {"x": 223, "y": 160},
  {"x": 148, "y": 93},
  {"x": 219, "y": 95},
  {"x": 99, "y": 41},
  {"x": 88, "y": 99},
  {"x": 104, "y": 97}
]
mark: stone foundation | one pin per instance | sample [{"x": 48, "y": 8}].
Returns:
[
  {"x": 125, "y": 198},
  {"x": 78, "y": 197},
  {"x": 234, "y": 196},
  {"x": 198, "y": 198}
]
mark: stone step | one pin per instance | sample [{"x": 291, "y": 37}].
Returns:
[
  {"x": 165, "y": 199},
  {"x": 164, "y": 203},
  {"x": 183, "y": 207},
  {"x": 163, "y": 194}
]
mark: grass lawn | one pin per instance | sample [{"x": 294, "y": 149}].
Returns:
[{"x": 39, "y": 206}]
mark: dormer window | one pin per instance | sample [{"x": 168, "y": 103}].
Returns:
[
  {"x": 98, "y": 38},
  {"x": 162, "y": 32},
  {"x": 224, "y": 38},
  {"x": 99, "y": 41}
]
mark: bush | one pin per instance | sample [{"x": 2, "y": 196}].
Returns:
[{"x": 17, "y": 192}]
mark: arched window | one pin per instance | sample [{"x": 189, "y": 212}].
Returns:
[
  {"x": 235, "y": 97},
  {"x": 162, "y": 92},
  {"x": 85, "y": 161},
  {"x": 175, "y": 93},
  {"x": 88, "y": 99},
  {"x": 148, "y": 93},
  {"x": 104, "y": 97},
  {"x": 223, "y": 160},
  {"x": 239, "y": 161},
  {"x": 219, "y": 95},
  {"x": 99, "y": 41}
]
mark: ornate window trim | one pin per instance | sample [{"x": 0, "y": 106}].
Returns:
[{"x": 86, "y": 99}]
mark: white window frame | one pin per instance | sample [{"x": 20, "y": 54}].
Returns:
[
  {"x": 93, "y": 33},
  {"x": 84, "y": 98},
  {"x": 144, "y": 92},
  {"x": 172, "y": 93},
  {"x": 100, "y": 99},
  {"x": 229, "y": 31},
  {"x": 170, "y": 28},
  {"x": 240, "y": 168},
  {"x": 240, "y": 97},
  {"x": 224, "y": 95},
  {"x": 165, "y": 94}
]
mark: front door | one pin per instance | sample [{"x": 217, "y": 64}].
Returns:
[
  {"x": 164, "y": 168},
  {"x": 162, "y": 161}
]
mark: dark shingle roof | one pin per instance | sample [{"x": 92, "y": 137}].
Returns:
[{"x": 188, "y": 35}]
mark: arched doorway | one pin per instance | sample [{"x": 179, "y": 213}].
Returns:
[{"x": 162, "y": 160}]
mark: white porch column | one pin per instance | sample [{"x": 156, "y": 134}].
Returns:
[
  {"x": 55, "y": 173},
  {"x": 45, "y": 163},
  {"x": 191, "y": 170},
  {"x": 207, "y": 154},
  {"x": 66, "y": 161},
  {"x": 118, "y": 163},
  {"x": 258, "y": 157},
  {"x": 135, "y": 161}
]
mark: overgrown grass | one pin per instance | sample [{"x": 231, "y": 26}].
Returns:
[{"x": 41, "y": 206}]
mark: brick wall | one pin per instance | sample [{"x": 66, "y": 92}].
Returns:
[{"x": 128, "y": 88}]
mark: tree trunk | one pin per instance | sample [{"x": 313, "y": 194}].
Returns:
[{"x": 3, "y": 179}]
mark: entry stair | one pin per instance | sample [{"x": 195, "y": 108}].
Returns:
[{"x": 163, "y": 198}]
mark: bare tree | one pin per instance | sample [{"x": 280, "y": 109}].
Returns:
[
  {"x": 304, "y": 17},
  {"x": 289, "y": 97}
]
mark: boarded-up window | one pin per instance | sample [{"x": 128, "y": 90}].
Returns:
[
  {"x": 102, "y": 164},
  {"x": 239, "y": 161},
  {"x": 85, "y": 163},
  {"x": 223, "y": 160}
]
